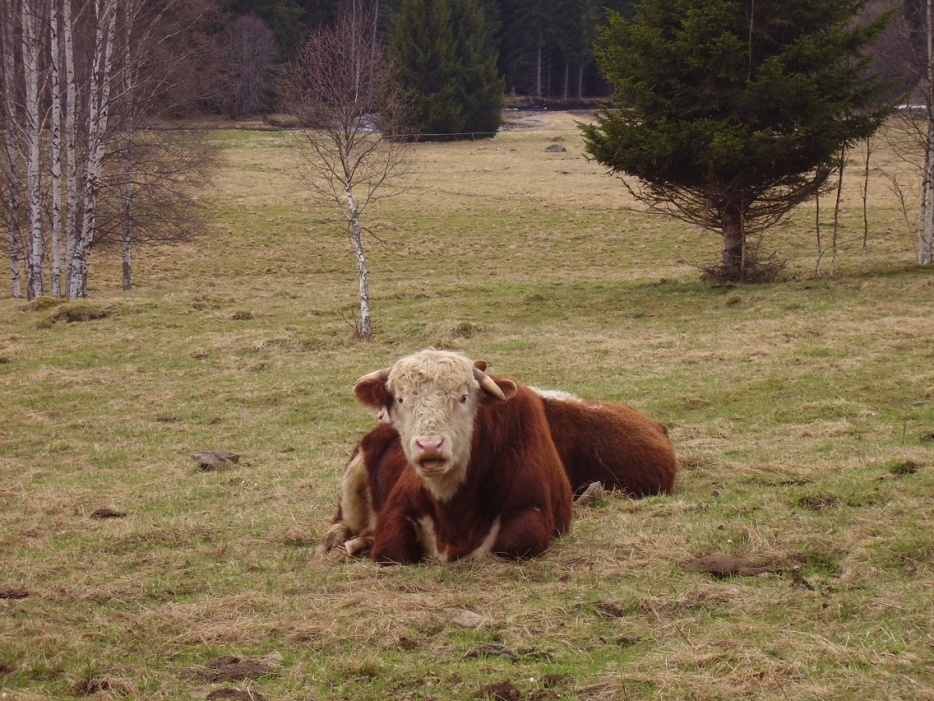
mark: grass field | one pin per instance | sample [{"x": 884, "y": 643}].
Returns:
[{"x": 802, "y": 413}]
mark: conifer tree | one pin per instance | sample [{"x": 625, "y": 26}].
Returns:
[
  {"x": 732, "y": 112},
  {"x": 444, "y": 60},
  {"x": 480, "y": 84}
]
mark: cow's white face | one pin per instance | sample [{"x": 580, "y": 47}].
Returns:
[{"x": 432, "y": 398}]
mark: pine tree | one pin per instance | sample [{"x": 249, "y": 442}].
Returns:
[
  {"x": 732, "y": 112},
  {"x": 480, "y": 85},
  {"x": 443, "y": 60}
]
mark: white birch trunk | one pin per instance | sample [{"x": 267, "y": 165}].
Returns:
[
  {"x": 926, "y": 210},
  {"x": 55, "y": 145},
  {"x": 98, "y": 111},
  {"x": 71, "y": 138},
  {"x": 32, "y": 134},
  {"x": 864, "y": 192},
  {"x": 538, "y": 66},
  {"x": 836, "y": 213},
  {"x": 12, "y": 218},
  {"x": 356, "y": 237},
  {"x": 10, "y": 141},
  {"x": 129, "y": 88}
]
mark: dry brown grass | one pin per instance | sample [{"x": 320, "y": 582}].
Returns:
[{"x": 797, "y": 409}]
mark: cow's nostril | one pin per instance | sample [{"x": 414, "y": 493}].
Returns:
[{"x": 429, "y": 446}]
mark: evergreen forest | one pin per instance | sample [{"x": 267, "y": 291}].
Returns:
[{"x": 545, "y": 47}]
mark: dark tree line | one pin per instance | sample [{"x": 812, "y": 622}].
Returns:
[{"x": 545, "y": 47}]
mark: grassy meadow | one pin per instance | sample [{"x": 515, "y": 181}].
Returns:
[{"x": 802, "y": 413}]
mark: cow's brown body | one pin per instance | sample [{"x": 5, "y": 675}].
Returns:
[
  {"x": 604, "y": 442},
  {"x": 478, "y": 472}
]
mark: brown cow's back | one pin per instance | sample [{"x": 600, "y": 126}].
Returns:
[{"x": 612, "y": 443}]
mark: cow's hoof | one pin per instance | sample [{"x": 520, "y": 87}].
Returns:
[
  {"x": 358, "y": 547},
  {"x": 334, "y": 539}
]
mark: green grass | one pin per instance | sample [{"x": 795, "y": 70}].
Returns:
[{"x": 801, "y": 412}]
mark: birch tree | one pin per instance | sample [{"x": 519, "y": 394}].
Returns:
[
  {"x": 9, "y": 85},
  {"x": 55, "y": 144},
  {"x": 155, "y": 170},
  {"x": 926, "y": 209},
  {"x": 32, "y": 136},
  {"x": 105, "y": 15},
  {"x": 80, "y": 81},
  {"x": 70, "y": 126},
  {"x": 910, "y": 55},
  {"x": 337, "y": 88}
]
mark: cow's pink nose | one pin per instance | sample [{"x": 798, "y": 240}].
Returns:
[{"x": 429, "y": 447}]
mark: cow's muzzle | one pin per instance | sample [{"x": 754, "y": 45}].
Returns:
[{"x": 431, "y": 454}]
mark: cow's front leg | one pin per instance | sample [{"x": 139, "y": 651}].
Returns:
[
  {"x": 396, "y": 541},
  {"x": 338, "y": 534},
  {"x": 524, "y": 533}
]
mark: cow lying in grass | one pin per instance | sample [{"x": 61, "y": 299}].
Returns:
[
  {"x": 603, "y": 442},
  {"x": 476, "y": 471}
]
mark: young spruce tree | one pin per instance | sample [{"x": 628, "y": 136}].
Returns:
[
  {"x": 732, "y": 112},
  {"x": 481, "y": 87},
  {"x": 444, "y": 61}
]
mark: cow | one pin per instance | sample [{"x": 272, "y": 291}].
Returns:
[
  {"x": 599, "y": 442},
  {"x": 475, "y": 471}
]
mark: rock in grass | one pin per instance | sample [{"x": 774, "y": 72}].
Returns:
[
  {"x": 215, "y": 459},
  {"x": 594, "y": 492},
  {"x": 469, "y": 619}
]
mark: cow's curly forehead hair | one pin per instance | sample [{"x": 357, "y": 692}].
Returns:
[{"x": 445, "y": 371}]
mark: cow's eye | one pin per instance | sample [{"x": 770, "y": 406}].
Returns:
[
  {"x": 464, "y": 398},
  {"x": 399, "y": 400}
]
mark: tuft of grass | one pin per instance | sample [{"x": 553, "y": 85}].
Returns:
[{"x": 70, "y": 312}]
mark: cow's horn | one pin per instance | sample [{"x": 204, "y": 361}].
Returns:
[
  {"x": 381, "y": 375},
  {"x": 487, "y": 384}
]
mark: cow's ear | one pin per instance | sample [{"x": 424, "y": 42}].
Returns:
[
  {"x": 480, "y": 365},
  {"x": 371, "y": 389},
  {"x": 507, "y": 387}
]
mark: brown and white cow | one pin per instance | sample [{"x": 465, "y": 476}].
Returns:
[
  {"x": 606, "y": 442},
  {"x": 481, "y": 473}
]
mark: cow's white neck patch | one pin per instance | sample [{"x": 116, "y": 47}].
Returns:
[
  {"x": 444, "y": 487},
  {"x": 428, "y": 537}
]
